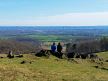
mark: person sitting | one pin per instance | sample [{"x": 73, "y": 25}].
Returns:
[
  {"x": 10, "y": 55},
  {"x": 53, "y": 48},
  {"x": 59, "y": 50}
]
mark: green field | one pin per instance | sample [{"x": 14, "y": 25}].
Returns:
[
  {"x": 50, "y": 38},
  {"x": 52, "y": 69}
]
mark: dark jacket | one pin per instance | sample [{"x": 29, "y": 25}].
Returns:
[{"x": 59, "y": 48}]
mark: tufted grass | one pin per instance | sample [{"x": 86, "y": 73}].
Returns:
[{"x": 51, "y": 69}]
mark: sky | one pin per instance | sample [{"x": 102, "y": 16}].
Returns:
[{"x": 53, "y": 12}]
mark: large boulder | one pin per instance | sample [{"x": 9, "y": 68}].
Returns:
[
  {"x": 71, "y": 55},
  {"x": 43, "y": 53}
]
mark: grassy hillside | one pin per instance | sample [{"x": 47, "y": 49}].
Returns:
[{"x": 52, "y": 69}]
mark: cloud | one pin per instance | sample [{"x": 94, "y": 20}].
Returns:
[
  {"x": 70, "y": 19},
  {"x": 75, "y": 19}
]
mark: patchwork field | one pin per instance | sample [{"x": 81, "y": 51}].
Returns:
[{"x": 53, "y": 69}]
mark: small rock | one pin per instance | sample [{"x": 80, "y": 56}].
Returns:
[
  {"x": 23, "y": 62},
  {"x": 96, "y": 66},
  {"x": 106, "y": 61},
  {"x": 1, "y": 57}
]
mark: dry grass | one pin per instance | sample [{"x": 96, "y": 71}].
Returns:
[{"x": 52, "y": 69}]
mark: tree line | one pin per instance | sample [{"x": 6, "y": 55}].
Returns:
[
  {"x": 19, "y": 46},
  {"x": 88, "y": 46}
]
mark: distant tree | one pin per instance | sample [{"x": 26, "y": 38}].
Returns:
[
  {"x": 19, "y": 46},
  {"x": 84, "y": 47},
  {"x": 104, "y": 43}
]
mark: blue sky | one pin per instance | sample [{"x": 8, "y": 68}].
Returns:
[{"x": 53, "y": 12}]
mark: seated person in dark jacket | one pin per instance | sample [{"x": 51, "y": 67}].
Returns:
[{"x": 59, "y": 50}]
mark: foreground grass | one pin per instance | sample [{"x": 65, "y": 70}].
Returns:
[{"x": 52, "y": 69}]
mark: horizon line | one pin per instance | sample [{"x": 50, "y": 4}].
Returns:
[{"x": 51, "y": 25}]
